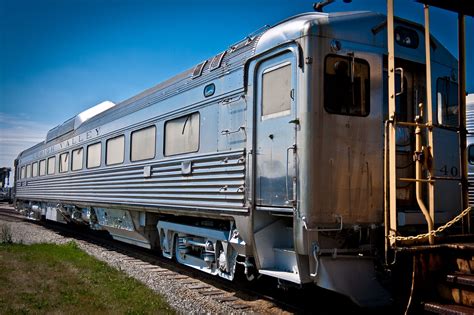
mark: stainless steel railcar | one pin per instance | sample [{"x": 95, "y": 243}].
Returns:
[
  {"x": 268, "y": 155},
  {"x": 470, "y": 144}
]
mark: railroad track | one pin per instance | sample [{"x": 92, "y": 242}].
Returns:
[{"x": 260, "y": 296}]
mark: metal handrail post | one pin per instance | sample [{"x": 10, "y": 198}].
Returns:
[
  {"x": 462, "y": 114},
  {"x": 392, "y": 150},
  {"x": 429, "y": 111}
]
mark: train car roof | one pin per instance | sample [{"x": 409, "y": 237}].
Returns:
[{"x": 362, "y": 27}]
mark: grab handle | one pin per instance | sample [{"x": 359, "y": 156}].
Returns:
[
  {"x": 291, "y": 148},
  {"x": 402, "y": 84}
]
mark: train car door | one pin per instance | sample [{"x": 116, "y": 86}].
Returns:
[{"x": 275, "y": 147}]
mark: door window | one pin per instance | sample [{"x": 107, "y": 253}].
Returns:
[
  {"x": 447, "y": 102},
  {"x": 276, "y": 91}
]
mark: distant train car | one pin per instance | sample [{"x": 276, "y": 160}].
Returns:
[
  {"x": 470, "y": 144},
  {"x": 269, "y": 155},
  {"x": 5, "y": 191}
]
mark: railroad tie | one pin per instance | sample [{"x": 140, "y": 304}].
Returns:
[
  {"x": 226, "y": 298},
  {"x": 239, "y": 306},
  {"x": 211, "y": 293},
  {"x": 198, "y": 286}
]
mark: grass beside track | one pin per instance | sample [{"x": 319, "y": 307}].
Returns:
[{"x": 62, "y": 279}]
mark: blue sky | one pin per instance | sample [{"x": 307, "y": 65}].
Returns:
[{"x": 60, "y": 57}]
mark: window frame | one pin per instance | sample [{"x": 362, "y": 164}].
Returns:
[
  {"x": 446, "y": 81},
  {"x": 48, "y": 164},
  {"x": 100, "y": 155},
  {"x": 281, "y": 113},
  {"x": 60, "y": 170},
  {"x": 45, "y": 168},
  {"x": 82, "y": 159},
  {"x": 123, "y": 155},
  {"x": 28, "y": 170},
  {"x": 469, "y": 148},
  {"x": 154, "y": 143},
  {"x": 325, "y": 82},
  {"x": 33, "y": 168},
  {"x": 199, "y": 134}
]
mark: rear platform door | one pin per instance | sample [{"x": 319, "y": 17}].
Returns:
[{"x": 275, "y": 115}]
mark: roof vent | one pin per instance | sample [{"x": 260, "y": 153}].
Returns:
[
  {"x": 198, "y": 70},
  {"x": 217, "y": 61}
]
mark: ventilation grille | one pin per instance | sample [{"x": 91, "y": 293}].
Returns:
[
  {"x": 217, "y": 61},
  {"x": 198, "y": 69}
]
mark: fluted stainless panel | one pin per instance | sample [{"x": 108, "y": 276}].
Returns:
[
  {"x": 470, "y": 179},
  {"x": 470, "y": 117},
  {"x": 216, "y": 183}
]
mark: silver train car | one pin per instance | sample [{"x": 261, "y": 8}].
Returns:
[
  {"x": 268, "y": 156},
  {"x": 470, "y": 145}
]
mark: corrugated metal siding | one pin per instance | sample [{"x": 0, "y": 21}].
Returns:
[
  {"x": 470, "y": 179},
  {"x": 216, "y": 183},
  {"x": 470, "y": 118}
]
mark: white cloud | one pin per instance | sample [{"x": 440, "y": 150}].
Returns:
[{"x": 18, "y": 133}]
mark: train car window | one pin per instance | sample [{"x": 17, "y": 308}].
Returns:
[
  {"x": 470, "y": 154},
  {"x": 28, "y": 171},
  {"x": 143, "y": 144},
  {"x": 115, "y": 150},
  {"x": 276, "y": 91},
  {"x": 346, "y": 86},
  {"x": 51, "y": 165},
  {"x": 42, "y": 168},
  {"x": 77, "y": 159},
  {"x": 182, "y": 134},
  {"x": 35, "y": 169},
  {"x": 64, "y": 162},
  {"x": 447, "y": 102},
  {"x": 23, "y": 170},
  {"x": 94, "y": 155}
]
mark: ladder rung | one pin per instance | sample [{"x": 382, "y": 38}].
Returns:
[{"x": 417, "y": 180}]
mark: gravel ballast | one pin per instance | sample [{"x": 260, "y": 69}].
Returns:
[{"x": 181, "y": 297}]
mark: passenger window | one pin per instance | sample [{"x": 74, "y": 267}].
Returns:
[
  {"x": 143, "y": 144},
  {"x": 276, "y": 91},
  {"x": 447, "y": 102},
  {"x": 182, "y": 134},
  {"x": 42, "y": 168},
  {"x": 22, "y": 175},
  {"x": 64, "y": 162},
  {"x": 94, "y": 155},
  {"x": 35, "y": 169},
  {"x": 470, "y": 154},
  {"x": 51, "y": 165},
  {"x": 346, "y": 86},
  {"x": 28, "y": 171},
  {"x": 115, "y": 150},
  {"x": 77, "y": 159}
]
